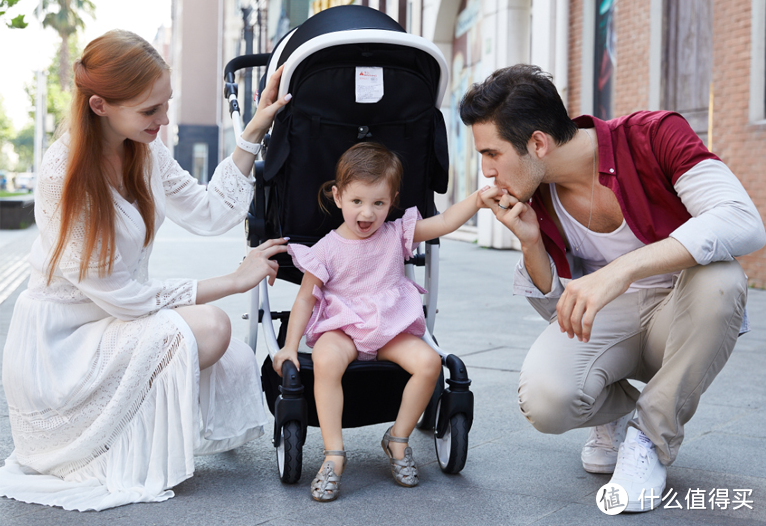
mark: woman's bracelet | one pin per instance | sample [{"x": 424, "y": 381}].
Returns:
[{"x": 250, "y": 147}]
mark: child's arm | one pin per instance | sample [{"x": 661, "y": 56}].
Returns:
[
  {"x": 451, "y": 219},
  {"x": 299, "y": 318}
]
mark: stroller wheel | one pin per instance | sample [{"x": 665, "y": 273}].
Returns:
[
  {"x": 290, "y": 453},
  {"x": 452, "y": 448}
]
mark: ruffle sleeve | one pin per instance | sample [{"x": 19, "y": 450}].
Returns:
[
  {"x": 306, "y": 261},
  {"x": 407, "y": 222}
]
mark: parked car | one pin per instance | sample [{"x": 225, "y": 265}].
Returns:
[{"x": 24, "y": 181}]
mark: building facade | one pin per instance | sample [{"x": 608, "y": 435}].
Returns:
[{"x": 702, "y": 58}]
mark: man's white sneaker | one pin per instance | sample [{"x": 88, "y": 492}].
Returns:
[
  {"x": 599, "y": 454},
  {"x": 639, "y": 472}
]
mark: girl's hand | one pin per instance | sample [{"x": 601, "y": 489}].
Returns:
[
  {"x": 267, "y": 109},
  {"x": 518, "y": 217},
  {"x": 257, "y": 265},
  {"x": 480, "y": 203},
  {"x": 283, "y": 355}
]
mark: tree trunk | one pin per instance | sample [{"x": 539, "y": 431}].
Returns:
[{"x": 64, "y": 63}]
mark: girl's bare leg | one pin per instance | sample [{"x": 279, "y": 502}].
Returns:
[
  {"x": 212, "y": 330},
  {"x": 331, "y": 355},
  {"x": 424, "y": 364}
]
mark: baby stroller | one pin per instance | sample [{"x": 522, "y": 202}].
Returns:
[{"x": 330, "y": 111}]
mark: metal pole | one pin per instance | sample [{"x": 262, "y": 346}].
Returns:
[
  {"x": 40, "y": 97},
  {"x": 247, "y": 114}
]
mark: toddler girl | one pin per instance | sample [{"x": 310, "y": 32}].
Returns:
[{"x": 356, "y": 303}]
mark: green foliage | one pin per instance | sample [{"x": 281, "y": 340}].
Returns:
[
  {"x": 24, "y": 146},
  {"x": 6, "y": 126},
  {"x": 57, "y": 100},
  {"x": 6, "y": 134},
  {"x": 16, "y": 22},
  {"x": 67, "y": 19}
]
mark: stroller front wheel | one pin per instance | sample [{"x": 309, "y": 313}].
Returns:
[
  {"x": 452, "y": 448},
  {"x": 290, "y": 453}
]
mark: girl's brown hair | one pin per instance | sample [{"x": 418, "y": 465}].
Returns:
[
  {"x": 117, "y": 67},
  {"x": 368, "y": 163}
]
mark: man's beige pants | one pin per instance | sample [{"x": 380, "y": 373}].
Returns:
[{"x": 675, "y": 340}]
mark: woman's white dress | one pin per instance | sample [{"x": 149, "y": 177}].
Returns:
[{"x": 106, "y": 400}]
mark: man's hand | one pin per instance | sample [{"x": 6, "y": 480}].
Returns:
[
  {"x": 518, "y": 217},
  {"x": 585, "y": 296}
]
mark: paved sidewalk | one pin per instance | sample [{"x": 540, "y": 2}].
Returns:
[{"x": 514, "y": 475}]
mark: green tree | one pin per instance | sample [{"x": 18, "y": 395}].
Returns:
[
  {"x": 24, "y": 146},
  {"x": 66, "y": 20},
  {"x": 16, "y": 22},
  {"x": 57, "y": 100},
  {"x": 6, "y": 126},
  {"x": 6, "y": 135}
]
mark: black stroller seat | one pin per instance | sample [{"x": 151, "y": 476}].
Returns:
[{"x": 325, "y": 117}]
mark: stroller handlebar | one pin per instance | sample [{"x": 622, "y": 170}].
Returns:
[{"x": 244, "y": 61}]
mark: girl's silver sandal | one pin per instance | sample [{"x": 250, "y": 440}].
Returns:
[
  {"x": 326, "y": 485},
  {"x": 405, "y": 471}
]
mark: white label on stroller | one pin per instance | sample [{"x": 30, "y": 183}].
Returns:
[{"x": 369, "y": 85}]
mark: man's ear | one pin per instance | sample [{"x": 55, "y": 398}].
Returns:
[
  {"x": 539, "y": 144},
  {"x": 98, "y": 105},
  {"x": 336, "y": 196}
]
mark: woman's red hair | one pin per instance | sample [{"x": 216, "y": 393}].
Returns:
[{"x": 118, "y": 66}]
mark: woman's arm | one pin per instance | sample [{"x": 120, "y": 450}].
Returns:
[
  {"x": 255, "y": 130},
  {"x": 299, "y": 318},
  {"x": 224, "y": 202},
  {"x": 451, "y": 219},
  {"x": 250, "y": 272}
]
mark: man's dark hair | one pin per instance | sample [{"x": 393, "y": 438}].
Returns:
[{"x": 520, "y": 100}]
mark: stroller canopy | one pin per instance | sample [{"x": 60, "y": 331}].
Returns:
[{"x": 349, "y": 24}]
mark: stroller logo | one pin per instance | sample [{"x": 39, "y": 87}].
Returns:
[{"x": 612, "y": 499}]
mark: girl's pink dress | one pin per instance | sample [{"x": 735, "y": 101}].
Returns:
[{"x": 365, "y": 292}]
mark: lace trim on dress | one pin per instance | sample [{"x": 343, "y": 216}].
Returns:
[
  {"x": 51, "y": 420},
  {"x": 233, "y": 188},
  {"x": 59, "y": 290},
  {"x": 71, "y": 467}
]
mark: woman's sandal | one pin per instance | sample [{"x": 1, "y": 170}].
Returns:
[
  {"x": 326, "y": 484},
  {"x": 405, "y": 471}
]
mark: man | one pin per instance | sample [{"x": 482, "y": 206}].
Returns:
[{"x": 629, "y": 229}]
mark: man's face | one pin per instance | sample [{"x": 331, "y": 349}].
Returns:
[{"x": 519, "y": 175}]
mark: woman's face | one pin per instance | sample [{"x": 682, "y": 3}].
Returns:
[{"x": 139, "y": 119}]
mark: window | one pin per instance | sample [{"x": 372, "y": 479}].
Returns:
[{"x": 604, "y": 60}]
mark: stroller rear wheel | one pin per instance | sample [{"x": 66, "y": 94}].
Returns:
[
  {"x": 290, "y": 452},
  {"x": 452, "y": 448}
]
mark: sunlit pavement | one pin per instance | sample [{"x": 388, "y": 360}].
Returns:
[{"x": 514, "y": 475}]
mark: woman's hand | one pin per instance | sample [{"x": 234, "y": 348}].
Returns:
[
  {"x": 283, "y": 355},
  {"x": 268, "y": 106},
  {"x": 257, "y": 265},
  {"x": 250, "y": 272}
]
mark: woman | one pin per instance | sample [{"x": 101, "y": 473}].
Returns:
[{"x": 115, "y": 380}]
